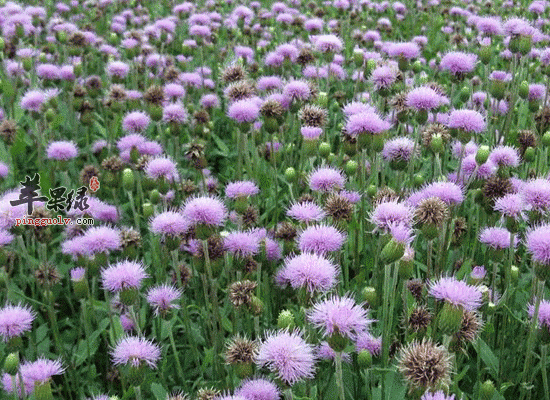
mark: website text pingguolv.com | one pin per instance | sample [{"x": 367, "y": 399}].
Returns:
[{"x": 59, "y": 220}]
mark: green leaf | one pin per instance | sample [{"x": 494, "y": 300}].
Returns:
[
  {"x": 221, "y": 145},
  {"x": 158, "y": 391},
  {"x": 7, "y": 88},
  {"x": 227, "y": 325},
  {"x": 488, "y": 357}
]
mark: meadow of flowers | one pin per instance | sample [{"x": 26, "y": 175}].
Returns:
[{"x": 309, "y": 200}]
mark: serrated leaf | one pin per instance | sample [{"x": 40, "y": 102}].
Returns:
[
  {"x": 158, "y": 391},
  {"x": 227, "y": 325},
  {"x": 488, "y": 357}
]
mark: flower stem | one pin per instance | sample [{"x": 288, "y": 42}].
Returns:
[
  {"x": 176, "y": 356},
  {"x": 339, "y": 375}
]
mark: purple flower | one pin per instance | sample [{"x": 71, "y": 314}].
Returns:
[
  {"x": 365, "y": 341},
  {"x": 511, "y": 205},
  {"x": 244, "y": 111},
  {"x": 242, "y": 244},
  {"x": 41, "y": 370},
  {"x": 311, "y": 132},
  {"x": 506, "y": 156},
  {"x": 48, "y": 71},
  {"x": 326, "y": 179},
  {"x": 205, "y": 210},
  {"x": 118, "y": 69},
  {"x": 136, "y": 351},
  {"x": 174, "y": 113},
  {"x": 297, "y": 90},
  {"x": 356, "y": 107},
  {"x": 4, "y": 170},
  {"x": 288, "y": 355},
  {"x": 161, "y": 298},
  {"x": 384, "y": 76},
  {"x": 389, "y": 213},
  {"x": 62, "y": 150},
  {"x": 536, "y": 91},
  {"x": 398, "y": 149},
  {"x": 339, "y": 315},
  {"x": 467, "y": 120},
  {"x": 544, "y": 312},
  {"x": 448, "y": 192},
  {"x": 500, "y": 76},
  {"x": 457, "y": 293},
  {"x": 321, "y": 239},
  {"x": 101, "y": 239},
  {"x": 5, "y": 237},
  {"x": 439, "y": 395},
  {"x": 478, "y": 272},
  {"x": 241, "y": 189},
  {"x": 258, "y": 389},
  {"x": 458, "y": 63},
  {"x": 128, "y": 142},
  {"x": 310, "y": 271},
  {"x": 266, "y": 83},
  {"x": 496, "y": 238},
  {"x": 33, "y": 100},
  {"x": 306, "y": 212},
  {"x": 78, "y": 274},
  {"x": 407, "y": 50},
  {"x": 325, "y": 352},
  {"x": 169, "y": 223},
  {"x": 536, "y": 193},
  {"x": 15, "y": 320},
  {"x": 537, "y": 241},
  {"x": 135, "y": 122},
  {"x": 328, "y": 43},
  {"x": 162, "y": 168},
  {"x": 123, "y": 275},
  {"x": 366, "y": 123},
  {"x": 424, "y": 98}
]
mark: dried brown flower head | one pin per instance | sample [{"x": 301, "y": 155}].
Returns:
[{"x": 425, "y": 365}]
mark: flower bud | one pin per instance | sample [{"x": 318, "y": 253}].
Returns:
[
  {"x": 464, "y": 94},
  {"x": 128, "y": 179},
  {"x": 482, "y": 154},
  {"x": 534, "y": 106},
  {"x": 369, "y": 67},
  {"x": 322, "y": 99},
  {"x": 392, "y": 251},
  {"x": 147, "y": 210},
  {"x": 154, "y": 196},
  {"x": 418, "y": 180},
  {"x": 364, "y": 359},
  {"x": 436, "y": 144},
  {"x": 369, "y": 295},
  {"x": 485, "y": 54},
  {"x": 43, "y": 390},
  {"x": 529, "y": 154},
  {"x": 417, "y": 67},
  {"x": 290, "y": 174},
  {"x": 324, "y": 149},
  {"x": 523, "y": 90},
  {"x": 11, "y": 364},
  {"x": 358, "y": 57},
  {"x": 372, "y": 190},
  {"x": 450, "y": 318},
  {"x": 514, "y": 273},
  {"x": 351, "y": 167},
  {"x": 337, "y": 342},
  {"x": 542, "y": 271},
  {"x": 128, "y": 296},
  {"x": 487, "y": 390},
  {"x": 546, "y": 139},
  {"x": 285, "y": 320}
]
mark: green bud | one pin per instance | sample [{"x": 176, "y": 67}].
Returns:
[
  {"x": 50, "y": 115},
  {"x": 542, "y": 271},
  {"x": 514, "y": 273},
  {"x": 154, "y": 196},
  {"x": 147, "y": 210},
  {"x": 11, "y": 363},
  {"x": 546, "y": 139},
  {"x": 450, "y": 318},
  {"x": 322, "y": 99},
  {"x": 285, "y": 320},
  {"x": 524, "y": 89},
  {"x": 351, "y": 167},
  {"x": 422, "y": 116},
  {"x": 392, "y": 251},
  {"x": 43, "y": 390},
  {"x": 525, "y": 44},
  {"x": 337, "y": 342},
  {"x": 80, "y": 289},
  {"x": 372, "y": 190},
  {"x": 369, "y": 295},
  {"x": 256, "y": 305},
  {"x": 290, "y": 174},
  {"x": 529, "y": 154},
  {"x": 369, "y": 67},
  {"x": 498, "y": 89},
  {"x": 2, "y": 44},
  {"x": 364, "y": 359},
  {"x": 27, "y": 64},
  {"x": 203, "y": 231},
  {"x": 534, "y": 105},
  {"x": 416, "y": 67},
  {"x": 128, "y": 296},
  {"x": 482, "y": 154},
  {"x": 324, "y": 149},
  {"x": 491, "y": 308},
  {"x": 464, "y": 94},
  {"x": 436, "y": 144},
  {"x": 77, "y": 69},
  {"x": 271, "y": 125},
  {"x": 418, "y": 180},
  {"x": 128, "y": 179},
  {"x": 244, "y": 369},
  {"x": 155, "y": 112},
  {"x": 358, "y": 57},
  {"x": 487, "y": 390},
  {"x": 485, "y": 54}
]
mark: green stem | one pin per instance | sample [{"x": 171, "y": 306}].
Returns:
[
  {"x": 176, "y": 356},
  {"x": 543, "y": 362},
  {"x": 339, "y": 375}
]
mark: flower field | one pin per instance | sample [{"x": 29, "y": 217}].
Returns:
[{"x": 295, "y": 200}]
